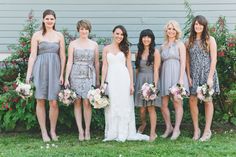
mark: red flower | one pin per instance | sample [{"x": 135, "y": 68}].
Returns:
[
  {"x": 221, "y": 53},
  {"x": 231, "y": 44},
  {"x": 6, "y": 105},
  {"x": 5, "y": 88},
  {"x": 15, "y": 100},
  {"x": 14, "y": 85},
  {"x": 10, "y": 109}
]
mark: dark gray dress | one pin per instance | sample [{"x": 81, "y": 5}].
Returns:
[
  {"x": 200, "y": 62},
  {"x": 46, "y": 71},
  {"x": 82, "y": 75},
  {"x": 170, "y": 69},
  {"x": 145, "y": 74}
]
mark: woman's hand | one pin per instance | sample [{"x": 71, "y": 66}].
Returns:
[
  {"x": 190, "y": 82},
  {"x": 61, "y": 80},
  {"x": 131, "y": 90},
  {"x": 181, "y": 82},
  {"x": 210, "y": 82},
  {"x": 67, "y": 83}
]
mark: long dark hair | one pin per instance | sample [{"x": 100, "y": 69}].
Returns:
[
  {"x": 45, "y": 13},
  {"x": 205, "y": 34},
  {"x": 124, "y": 45},
  {"x": 150, "y": 60}
]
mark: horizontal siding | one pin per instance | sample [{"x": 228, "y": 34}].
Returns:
[{"x": 135, "y": 15}]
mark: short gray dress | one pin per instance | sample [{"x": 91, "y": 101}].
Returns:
[
  {"x": 145, "y": 74},
  {"x": 200, "y": 62},
  {"x": 46, "y": 71},
  {"x": 82, "y": 75},
  {"x": 170, "y": 69}
]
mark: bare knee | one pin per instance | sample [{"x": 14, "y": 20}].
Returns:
[{"x": 53, "y": 104}]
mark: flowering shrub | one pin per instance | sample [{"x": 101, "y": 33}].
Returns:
[{"x": 226, "y": 67}]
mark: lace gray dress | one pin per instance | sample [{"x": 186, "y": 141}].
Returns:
[
  {"x": 46, "y": 71},
  {"x": 82, "y": 75},
  {"x": 200, "y": 62},
  {"x": 170, "y": 69},
  {"x": 145, "y": 75}
]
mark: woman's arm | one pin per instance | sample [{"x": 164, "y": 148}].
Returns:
[
  {"x": 69, "y": 63},
  {"x": 62, "y": 57},
  {"x": 213, "y": 53},
  {"x": 104, "y": 65},
  {"x": 157, "y": 63},
  {"x": 182, "y": 53},
  {"x": 130, "y": 69},
  {"x": 96, "y": 62},
  {"x": 188, "y": 64},
  {"x": 33, "y": 56}
]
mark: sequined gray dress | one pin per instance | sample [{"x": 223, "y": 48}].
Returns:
[
  {"x": 170, "y": 69},
  {"x": 200, "y": 62},
  {"x": 82, "y": 75},
  {"x": 145, "y": 74},
  {"x": 46, "y": 71}
]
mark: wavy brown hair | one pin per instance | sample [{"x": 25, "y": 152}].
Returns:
[
  {"x": 205, "y": 33},
  {"x": 124, "y": 45},
  {"x": 45, "y": 13}
]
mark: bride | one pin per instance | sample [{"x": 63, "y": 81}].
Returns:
[{"x": 117, "y": 71}]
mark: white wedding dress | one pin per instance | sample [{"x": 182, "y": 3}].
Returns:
[{"x": 119, "y": 115}]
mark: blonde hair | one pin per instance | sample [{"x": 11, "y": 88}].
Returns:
[{"x": 177, "y": 28}]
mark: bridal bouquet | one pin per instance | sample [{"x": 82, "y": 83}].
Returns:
[
  {"x": 67, "y": 96},
  {"x": 98, "y": 98},
  {"x": 205, "y": 93},
  {"x": 23, "y": 90},
  {"x": 149, "y": 91},
  {"x": 178, "y": 92}
]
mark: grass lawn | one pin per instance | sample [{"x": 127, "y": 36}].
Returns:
[{"x": 222, "y": 144}]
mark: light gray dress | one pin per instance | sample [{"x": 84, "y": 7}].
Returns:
[
  {"x": 170, "y": 69},
  {"x": 82, "y": 75},
  {"x": 200, "y": 62},
  {"x": 46, "y": 71},
  {"x": 145, "y": 74}
]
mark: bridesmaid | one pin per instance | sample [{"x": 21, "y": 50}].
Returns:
[
  {"x": 201, "y": 69},
  {"x": 147, "y": 70},
  {"x": 82, "y": 71},
  {"x": 46, "y": 65},
  {"x": 173, "y": 55}
]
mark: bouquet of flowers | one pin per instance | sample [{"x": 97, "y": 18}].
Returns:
[
  {"x": 98, "y": 98},
  {"x": 67, "y": 96},
  {"x": 205, "y": 93},
  {"x": 178, "y": 92},
  {"x": 149, "y": 91},
  {"x": 23, "y": 90}
]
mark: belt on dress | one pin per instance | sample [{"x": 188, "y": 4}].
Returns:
[
  {"x": 174, "y": 58},
  {"x": 89, "y": 66}
]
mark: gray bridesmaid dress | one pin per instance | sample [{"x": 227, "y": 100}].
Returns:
[
  {"x": 170, "y": 69},
  {"x": 82, "y": 75},
  {"x": 46, "y": 71},
  {"x": 200, "y": 62},
  {"x": 145, "y": 75}
]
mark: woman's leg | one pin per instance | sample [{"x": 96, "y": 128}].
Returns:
[
  {"x": 78, "y": 118},
  {"x": 166, "y": 115},
  {"x": 209, "y": 109},
  {"x": 87, "y": 118},
  {"x": 194, "y": 113},
  {"x": 41, "y": 115},
  {"x": 153, "y": 122},
  {"x": 53, "y": 116},
  {"x": 178, "y": 118},
  {"x": 142, "y": 112}
]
